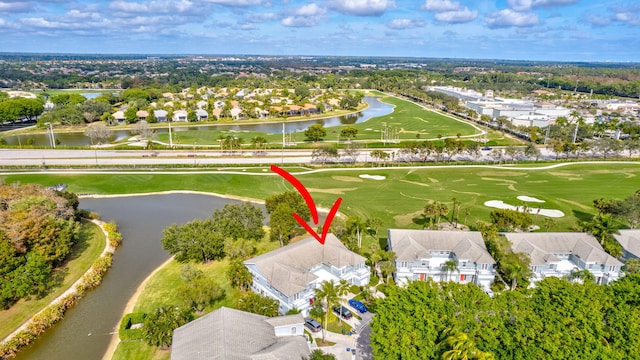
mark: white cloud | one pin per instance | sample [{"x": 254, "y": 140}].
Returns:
[
  {"x": 402, "y": 24},
  {"x": 627, "y": 17},
  {"x": 441, "y": 5},
  {"x": 509, "y": 18},
  {"x": 524, "y": 5},
  {"x": 552, "y": 3},
  {"x": 596, "y": 20},
  {"x": 161, "y": 7},
  {"x": 361, "y": 7},
  {"x": 452, "y": 12},
  {"x": 457, "y": 17},
  {"x": 260, "y": 17},
  {"x": 15, "y": 7},
  {"x": 305, "y": 16},
  {"x": 520, "y": 5},
  {"x": 235, "y": 3}
]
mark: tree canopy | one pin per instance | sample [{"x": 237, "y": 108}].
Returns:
[
  {"x": 204, "y": 240},
  {"x": 558, "y": 319},
  {"x": 37, "y": 231}
]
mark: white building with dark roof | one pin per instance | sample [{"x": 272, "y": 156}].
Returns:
[
  {"x": 228, "y": 334},
  {"x": 291, "y": 274},
  {"x": 630, "y": 241},
  {"x": 559, "y": 254},
  {"x": 421, "y": 254}
]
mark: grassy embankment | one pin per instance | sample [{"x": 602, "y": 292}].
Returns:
[
  {"x": 83, "y": 254},
  {"x": 163, "y": 288}
]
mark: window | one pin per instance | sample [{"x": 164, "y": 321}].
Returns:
[{"x": 293, "y": 330}]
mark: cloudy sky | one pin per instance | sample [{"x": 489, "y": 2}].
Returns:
[{"x": 565, "y": 30}]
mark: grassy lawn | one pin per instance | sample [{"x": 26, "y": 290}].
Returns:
[
  {"x": 83, "y": 255},
  {"x": 163, "y": 288},
  {"x": 139, "y": 350},
  {"x": 408, "y": 120},
  {"x": 399, "y": 199},
  {"x": 411, "y": 121}
]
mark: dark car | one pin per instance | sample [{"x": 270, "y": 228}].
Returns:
[
  {"x": 343, "y": 311},
  {"x": 312, "y": 325},
  {"x": 362, "y": 308}
]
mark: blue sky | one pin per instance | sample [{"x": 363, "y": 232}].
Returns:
[{"x": 564, "y": 30}]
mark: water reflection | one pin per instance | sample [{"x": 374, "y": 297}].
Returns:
[{"x": 86, "y": 329}]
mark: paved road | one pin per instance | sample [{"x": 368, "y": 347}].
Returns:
[{"x": 63, "y": 157}]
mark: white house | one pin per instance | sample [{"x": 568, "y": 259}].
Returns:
[
  {"x": 421, "y": 254},
  {"x": 233, "y": 334},
  {"x": 559, "y": 254},
  {"x": 180, "y": 115},
  {"x": 630, "y": 241},
  {"x": 161, "y": 115},
  {"x": 291, "y": 274},
  {"x": 202, "y": 115}
]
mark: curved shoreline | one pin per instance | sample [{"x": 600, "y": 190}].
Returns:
[
  {"x": 115, "y": 337},
  {"x": 73, "y": 288}
]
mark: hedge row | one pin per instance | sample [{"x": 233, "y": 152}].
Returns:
[{"x": 55, "y": 311}]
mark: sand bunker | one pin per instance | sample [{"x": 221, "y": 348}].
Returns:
[
  {"x": 536, "y": 211},
  {"x": 372, "y": 177},
  {"x": 529, "y": 199}
]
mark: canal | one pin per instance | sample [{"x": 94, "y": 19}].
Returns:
[{"x": 86, "y": 331}]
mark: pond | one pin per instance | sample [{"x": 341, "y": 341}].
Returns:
[
  {"x": 376, "y": 108},
  {"x": 86, "y": 331}
]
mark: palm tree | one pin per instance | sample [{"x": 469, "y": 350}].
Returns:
[
  {"x": 329, "y": 294},
  {"x": 602, "y": 227},
  {"x": 458, "y": 346},
  {"x": 449, "y": 267},
  {"x": 258, "y": 142},
  {"x": 583, "y": 275}
]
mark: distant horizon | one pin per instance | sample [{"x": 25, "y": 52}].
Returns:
[
  {"x": 517, "y": 30},
  {"x": 178, "y": 55}
]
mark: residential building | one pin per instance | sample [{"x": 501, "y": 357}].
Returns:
[
  {"x": 561, "y": 253},
  {"x": 142, "y": 115},
  {"x": 180, "y": 115},
  {"x": 161, "y": 115},
  {"x": 202, "y": 115},
  {"x": 291, "y": 273},
  {"x": 630, "y": 241},
  {"x": 119, "y": 116},
  {"x": 233, "y": 334},
  {"x": 422, "y": 254}
]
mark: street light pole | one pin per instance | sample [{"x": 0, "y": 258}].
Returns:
[{"x": 53, "y": 140}]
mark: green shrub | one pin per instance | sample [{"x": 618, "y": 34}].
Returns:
[
  {"x": 126, "y": 332},
  {"x": 373, "y": 281},
  {"x": 355, "y": 289}
]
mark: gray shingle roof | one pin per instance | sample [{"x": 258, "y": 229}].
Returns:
[
  {"x": 411, "y": 245},
  {"x": 236, "y": 335},
  {"x": 287, "y": 268},
  {"x": 541, "y": 247},
  {"x": 630, "y": 241}
]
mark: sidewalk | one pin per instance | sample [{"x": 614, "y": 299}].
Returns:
[{"x": 340, "y": 348}]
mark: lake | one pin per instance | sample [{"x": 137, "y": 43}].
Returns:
[
  {"x": 85, "y": 332},
  {"x": 376, "y": 108}
]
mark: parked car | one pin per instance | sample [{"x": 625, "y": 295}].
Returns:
[
  {"x": 362, "y": 308},
  {"x": 312, "y": 325},
  {"x": 343, "y": 311}
]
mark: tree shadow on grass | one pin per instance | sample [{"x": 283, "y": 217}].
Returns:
[
  {"x": 423, "y": 221},
  {"x": 582, "y": 216}
]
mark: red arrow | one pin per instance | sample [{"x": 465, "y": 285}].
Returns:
[{"x": 311, "y": 205}]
